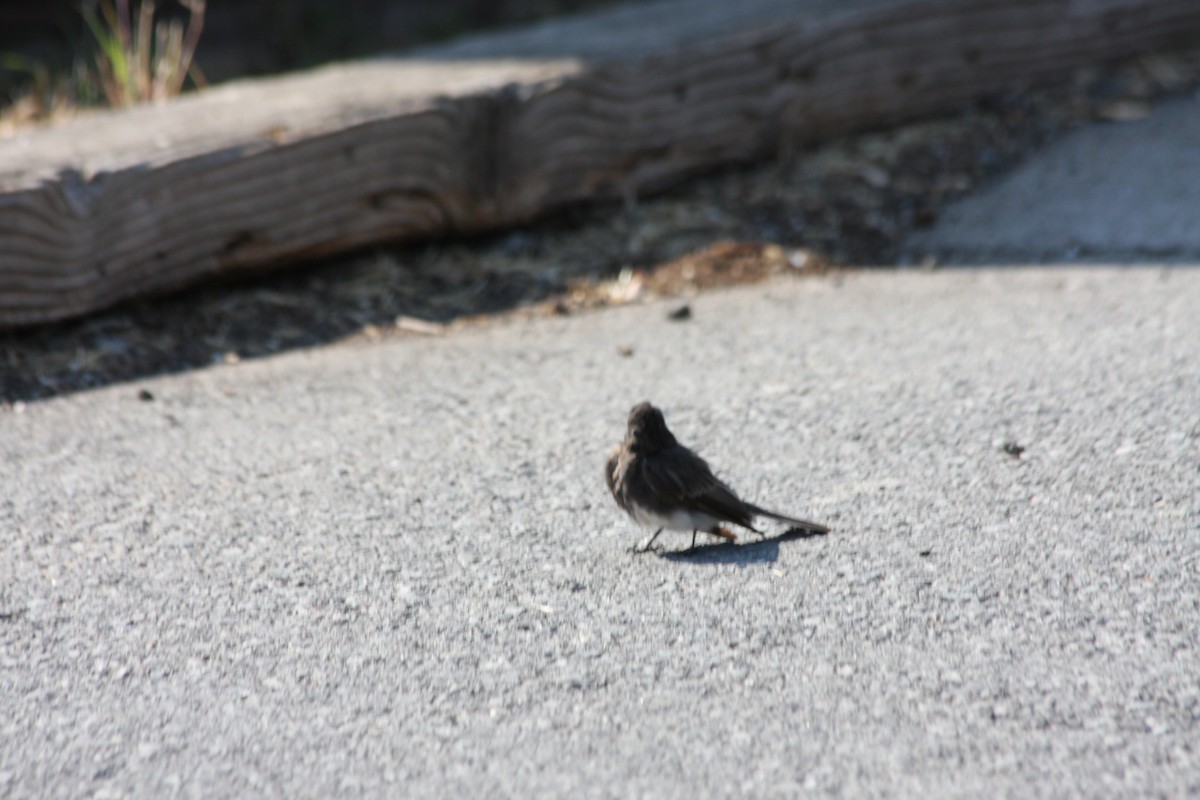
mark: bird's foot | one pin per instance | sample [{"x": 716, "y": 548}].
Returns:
[{"x": 648, "y": 546}]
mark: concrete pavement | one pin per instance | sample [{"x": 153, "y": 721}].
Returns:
[
  {"x": 1117, "y": 191},
  {"x": 392, "y": 569}
]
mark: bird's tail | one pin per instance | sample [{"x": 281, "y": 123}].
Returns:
[{"x": 808, "y": 525}]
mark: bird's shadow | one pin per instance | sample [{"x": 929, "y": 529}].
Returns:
[{"x": 762, "y": 551}]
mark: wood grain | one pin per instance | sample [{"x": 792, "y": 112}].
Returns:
[{"x": 496, "y": 130}]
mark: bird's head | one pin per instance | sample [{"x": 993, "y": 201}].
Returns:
[{"x": 647, "y": 429}]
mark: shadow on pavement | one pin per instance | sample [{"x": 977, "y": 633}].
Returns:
[{"x": 762, "y": 551}]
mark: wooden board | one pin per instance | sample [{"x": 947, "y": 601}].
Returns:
[{"x": 496, "y": 130}]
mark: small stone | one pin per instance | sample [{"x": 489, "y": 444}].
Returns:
[
  {"x": 684, "y": 312},
  {"x": 420, "y": 326},
  {"x": 1123, "y": 110}
]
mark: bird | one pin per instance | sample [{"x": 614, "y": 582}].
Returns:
[{"x": 662, "y": 484}]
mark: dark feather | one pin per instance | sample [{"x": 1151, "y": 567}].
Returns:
[
  {"x": 680, "y": 478},
  {"x": 807, "y": 525}
]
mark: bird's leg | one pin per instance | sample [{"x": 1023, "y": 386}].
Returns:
[
  {"x": 646, "y": 549},
  {"x": 693, "y": 547}
]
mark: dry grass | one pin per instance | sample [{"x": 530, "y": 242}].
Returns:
[{"x": 139, "y": 57}]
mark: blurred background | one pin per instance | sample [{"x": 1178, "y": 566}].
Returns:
[
  {"x": 857, "y": 199},
  {"x": 46, "y": 44}
]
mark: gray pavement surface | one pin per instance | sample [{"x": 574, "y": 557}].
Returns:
[
  {"x": 1124, "y": 190},
  {"x": 393, "y": 570}
]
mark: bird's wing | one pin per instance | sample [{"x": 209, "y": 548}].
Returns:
[
  {"x": 610, "y": 476},
  {"x": 680, "y": 477}
]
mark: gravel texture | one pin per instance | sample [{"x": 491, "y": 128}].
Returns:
[{"x": 392, "y": 568}]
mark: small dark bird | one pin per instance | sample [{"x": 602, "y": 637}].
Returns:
[{"x": 662, "y": 484}]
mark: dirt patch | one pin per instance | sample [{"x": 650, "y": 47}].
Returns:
[{"x": 847, "y": 203}]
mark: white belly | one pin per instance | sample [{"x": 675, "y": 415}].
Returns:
[{"x": 675, "y": 521}]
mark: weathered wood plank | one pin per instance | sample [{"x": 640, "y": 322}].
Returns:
[{"x": 496, "y": 130}]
